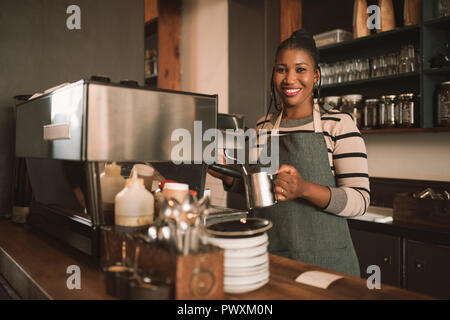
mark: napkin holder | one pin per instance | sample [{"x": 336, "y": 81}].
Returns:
[{"x": 430, "y": 212}]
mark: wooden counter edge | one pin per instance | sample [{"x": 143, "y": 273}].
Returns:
[{"x": 34, "y": 278}]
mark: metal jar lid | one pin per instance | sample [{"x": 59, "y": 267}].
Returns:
[
  {"x": 407, "y": 95},
  {"x": 372, "y": 100},
  {"x": 352, "y": 97}
]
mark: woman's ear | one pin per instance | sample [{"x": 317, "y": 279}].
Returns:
[{"x": 317, "y": 75}]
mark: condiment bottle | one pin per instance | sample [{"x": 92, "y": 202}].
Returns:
[
  {"x": 134, "y": 205},
  {"x": 111, "y": 182}
]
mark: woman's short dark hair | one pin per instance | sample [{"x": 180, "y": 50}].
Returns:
[{"x": 302, "y": 40}]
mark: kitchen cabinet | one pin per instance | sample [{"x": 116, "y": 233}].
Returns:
[
  {"x": 380, "y": 250},
  {"x": 427, "y": 36},
  {"x": 409, "y": 256},
  {"x": 428, "y": 269}
]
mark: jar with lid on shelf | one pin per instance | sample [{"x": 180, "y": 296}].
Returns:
[
  {"x": 370, "y": 114},
  {"x": 407, "y": 110},
  {"x": 352, "y": 104},
  {"x": 391, "y": 111},
  {"x": 333, "y": 102},
  {"x": 443, "y": 105}
]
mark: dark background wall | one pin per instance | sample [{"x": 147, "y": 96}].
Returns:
[
  {"x": 253, "y": 39},
  {"x": 253, "y": 36},
  {"x": 38, "y": 51}
]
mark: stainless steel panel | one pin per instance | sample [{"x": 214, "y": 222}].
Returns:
[
  {"x": 127, "y": 124},
  {"x": 63, "y": 107}
]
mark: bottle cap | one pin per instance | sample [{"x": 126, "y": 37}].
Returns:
[{"x": 176, "y": 186}]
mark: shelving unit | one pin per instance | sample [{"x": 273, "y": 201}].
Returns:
[
  {"x": 151, "y": 43},
  {"x": 427, "y": 36}
]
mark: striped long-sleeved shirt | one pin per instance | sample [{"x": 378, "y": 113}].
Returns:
[{"x": 346, "y": 154}]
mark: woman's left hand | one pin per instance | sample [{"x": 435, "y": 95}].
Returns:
[{"x": 289, "y": 183}]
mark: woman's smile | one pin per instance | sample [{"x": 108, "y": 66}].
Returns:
[{"x": 290, "y": 91}]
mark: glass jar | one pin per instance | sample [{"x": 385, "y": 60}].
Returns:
[
  {"x": 352, "y": 104},
  {"x": 407, "y": 110},
  {"x": 443, "y": 107},
  {"x": 333, "y": 102},
  {"x": 370, "y": 114},
  {"x": 391, "y": 114}
]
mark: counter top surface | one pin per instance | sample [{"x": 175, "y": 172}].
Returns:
[
  {"x": 36, "y": 267},
  {"x": 380, "y": 220}
]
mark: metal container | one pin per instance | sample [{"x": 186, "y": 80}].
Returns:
[
  {"x": 262, "y": 189},
  {"x": 330, "y": 37}
]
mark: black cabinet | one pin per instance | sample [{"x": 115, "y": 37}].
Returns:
[
  {"x": 380, "y": 250},
  {"x": 428, "y": 269}
]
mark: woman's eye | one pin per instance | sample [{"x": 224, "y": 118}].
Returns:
[
  {"x": 280, "y": 70},
  {"x": 301, "y": 69}
]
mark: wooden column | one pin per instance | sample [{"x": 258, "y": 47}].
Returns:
[
  {"x": 169, "y": 44},
  {"x": 290, "y": 17},
  {"x": 151, "y": 10}
]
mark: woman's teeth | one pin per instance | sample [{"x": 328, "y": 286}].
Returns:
[{"x": 291, "y": 92}]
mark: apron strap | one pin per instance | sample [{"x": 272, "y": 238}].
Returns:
[{"x": 317, "y": 123}]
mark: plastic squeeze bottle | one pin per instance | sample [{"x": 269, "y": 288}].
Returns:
[
  {"x": 134, "y": 205},
  {"x": 111, "y": 182}
]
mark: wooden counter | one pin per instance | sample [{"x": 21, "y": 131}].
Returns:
[{"x": 35, "y": 266}]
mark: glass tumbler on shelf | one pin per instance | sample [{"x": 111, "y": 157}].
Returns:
[{"x": 364, "y": 68}]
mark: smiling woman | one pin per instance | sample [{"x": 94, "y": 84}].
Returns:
[{"x": 323, "y": 173}]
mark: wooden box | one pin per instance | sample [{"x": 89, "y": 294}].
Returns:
[
  {"x": 196, "y": 276},
  {"x": 434, "y": 213}
]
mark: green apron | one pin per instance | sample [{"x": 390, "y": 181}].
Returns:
[{"x": 302, "y": 231}]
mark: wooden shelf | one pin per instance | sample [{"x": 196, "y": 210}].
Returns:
[
  {"x": 372, "y": 80},
  {"x": 440, "y": 71},
  {"x": 406, "y": 130},
  {"x": 443, "y": 22}
]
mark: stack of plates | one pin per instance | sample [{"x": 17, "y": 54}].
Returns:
[{"x": 245, "y": 252}]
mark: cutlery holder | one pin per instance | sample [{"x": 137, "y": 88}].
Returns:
[
  {"x": 195, "y": 277},
  {"x": 434, "y": 213}
]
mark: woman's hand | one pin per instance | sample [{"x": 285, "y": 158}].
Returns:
[{"x": 289, "y": 183}]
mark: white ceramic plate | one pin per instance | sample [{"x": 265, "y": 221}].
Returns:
[
  {"x": 246, "y": 252},
  {"x": 238, "y": 243},
  {"x": 246, "y": 262},
  {"x": 245, "y": 280},
  {"x": 245, "y": 288},
  {"x": 246, "y": 270},
  {"x": 247, "y": 274}
]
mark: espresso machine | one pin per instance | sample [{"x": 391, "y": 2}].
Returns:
[{"x": 68, "y": 135}]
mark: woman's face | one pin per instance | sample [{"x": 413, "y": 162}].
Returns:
[{"x": 294, "y": 77}]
